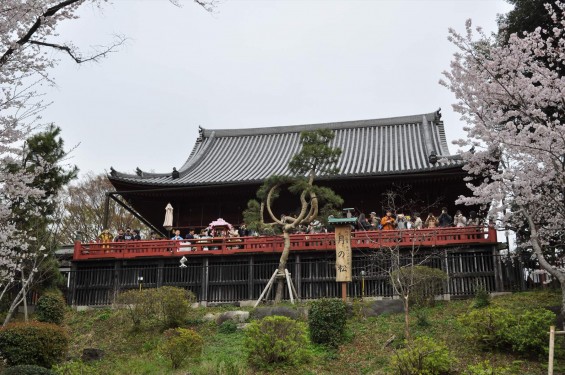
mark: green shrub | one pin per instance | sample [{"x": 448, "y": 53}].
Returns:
[
  {"x": 496, "y": 327},
  {"x": 227, "y": 327},
  {"x": 276, "y": 340},
  {"x": 529, "y": 334},
  {"x": 50, "y": 308},
  {"x": 488, "y": 327},
  {"x": 424, "y": 282},
  {"x": 167, "y": 306},
  {"x": 181, "y": 344},
  {"x": 482, "y": 297},
  {"x": 485, "y": 368},
  {"x": 327, "y": 319},
  {"x": 27, "y": 370},
  {"x": 34, "y": 343},
  {"x": 423, "y": 357},
  {"x": 74, "y": 368},
  {"x": 422, "y": 319}
]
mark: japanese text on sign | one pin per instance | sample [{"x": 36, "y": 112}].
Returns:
[{"x": 343, "y": 253}]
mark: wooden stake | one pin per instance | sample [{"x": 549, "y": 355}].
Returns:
[
  {"x": 267, "y": 288},
  {"x": 551, "y": 349},
  {"x": 344, "y": 291},
  {"x": 288, "y": 283}
]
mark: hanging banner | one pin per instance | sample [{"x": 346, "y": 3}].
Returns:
[{"x": 343, "y": 253}]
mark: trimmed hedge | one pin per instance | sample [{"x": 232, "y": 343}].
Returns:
[
  {"x": 33, "y": 343},
  {"x": 50, "y": 308},
  {"x": 276, "y": 340},
  {"x": 327, "y": 319}
]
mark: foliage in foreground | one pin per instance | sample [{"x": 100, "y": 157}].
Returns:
[
  {"x": 276, "y": 340},
  {"x": 327, "y": 319},
  {"x": 181, "y": 344},
  {"x": 423, "y": 283},
  {"x": 27, "y": 370},
  {"x": 424, "y": 356},
  {"x": 166, "y": 306},
  {"x": 500, "y": 328},
  {"x": 50, "y": 308},
  {"x": 33, "y": 343}
]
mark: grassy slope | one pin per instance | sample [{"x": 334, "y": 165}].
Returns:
[{"x": 136, "y": 352}]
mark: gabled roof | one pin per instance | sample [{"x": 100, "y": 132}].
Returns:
[{"x": 398, "y": 145}]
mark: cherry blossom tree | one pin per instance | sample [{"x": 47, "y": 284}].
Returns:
[
  {"x": 28, "y": 38},
  {"x": 512, "y": 97}
]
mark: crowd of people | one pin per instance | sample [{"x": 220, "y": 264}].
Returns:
[
  {"x": 389, "y": 221},
  {"x": 401, "y": 221}
]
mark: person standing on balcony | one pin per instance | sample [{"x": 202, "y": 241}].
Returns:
[
  {"x": 177, "y": 236},
  {"x": 444, "y": 219},
  {"x": 388, "y": 222},
  {"x": 418, "y": 223},
  {"x": 128, "y": 235},
  {"x": 459, "y": 220},
  {"x": 431, "y": 221},
  {"x": 105, "y": 237},
  {"x": 136, "y": 236},
  {"x": 120, "y": 236},
  {"x": 474, "y": 220},
  {"x": 374, "y": 220},
  {"x": 401, "y": 222}
]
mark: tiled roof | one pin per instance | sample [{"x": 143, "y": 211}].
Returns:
[{"x": 398, "y": 145}]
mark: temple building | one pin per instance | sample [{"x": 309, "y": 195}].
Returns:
[
  {"x": 226, "y": 167},
  {"x": 406, "y": 154}
]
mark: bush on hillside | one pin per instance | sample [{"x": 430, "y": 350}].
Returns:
[
  {"x": 424, "y": 356},
  {"x": 167, "y": 306},
  {"x": 34, "y": 343},
  {"x": 327, "y": 320},
  {"x": 425, "y": 283},
  {"x": 50, "y": 308},
  {"x": 485, "y": 368},
  {"x": 496, "y": 328},
  {"x": 27, "y": 370},
  {"x": 276, "y": 340},
  {"x": 181, "y": 344},
  {"x": 482, "y": 297}
]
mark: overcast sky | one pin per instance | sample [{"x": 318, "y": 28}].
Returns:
[{"x": 250, "y": 64}]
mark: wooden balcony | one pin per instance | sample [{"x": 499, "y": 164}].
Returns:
[{"x": 436, "y": 237}]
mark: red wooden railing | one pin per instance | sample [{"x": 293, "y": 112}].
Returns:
[{"x": 274, "y": 244}]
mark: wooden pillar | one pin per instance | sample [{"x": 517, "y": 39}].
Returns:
[
  {"x": 116, "y": 279},
  {"x": 447, "y": 290},
  {"x": 160, "y": 270},
  {"x": 298, "y": 275},
  {"x": 250, "y": 278},
  {"x": 204, "y": 285},
  {"x": 73, "y": 284},
  {"x": 498, "y": 282}
]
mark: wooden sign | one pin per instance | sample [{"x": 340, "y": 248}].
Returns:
[{"x": 343, "y": 261}]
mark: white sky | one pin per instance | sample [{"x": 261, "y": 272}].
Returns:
[{"x": 251, "y": 64}]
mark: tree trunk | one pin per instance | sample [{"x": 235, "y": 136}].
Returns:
[
  {"x": 406, "y": 317},
  {"x": 282, "y": 266},
  {"x": 15, "y": 303}
]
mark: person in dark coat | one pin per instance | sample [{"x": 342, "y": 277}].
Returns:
[{"x": 444, "y": 219}]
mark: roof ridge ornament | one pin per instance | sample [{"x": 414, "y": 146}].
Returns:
[
  {"x": 138, "y": 172},
  {"x": 200, "y": 134}
]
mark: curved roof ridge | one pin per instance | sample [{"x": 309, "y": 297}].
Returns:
[{"x": 432, "y": 117}]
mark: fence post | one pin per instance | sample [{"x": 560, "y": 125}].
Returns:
[
  {"x": 298, "y": 275},
  {"x": 498, "y": 282},
  {"x": 73, "y": 284},
  {"x": 551, "y": 349},
  {"x": 250, "y": 280},
  {"x": 160, "y": 271},
  {"x": 116, "y": 280},
  {"x": 205, "y": 281}
]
